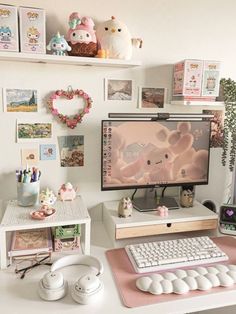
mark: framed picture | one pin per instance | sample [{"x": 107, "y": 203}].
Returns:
[
  {"x": 152, "y": 97},
  {"x": 71, "y": 150},
  {"x": 121, "y": 90},
  {"x": 30, "y": 131},
  {"x": 217, "y": 127},
  {"x": 29, "y": 156},
  {"x": 20, "y": 100},
  {"x": 47, "y": 152}
]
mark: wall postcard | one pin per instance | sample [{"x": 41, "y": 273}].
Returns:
[
  {"x": 118, "y": 89},
  {"x": 152, "y": 97},
  {"x": 20, "y": 100},
  {"x": 33, "y": 131},
  {"x": 217, "y": 127},
  {"x": 48, "y": 152},
  {"x": 71, "y": 150},
  {"x": 29, "y": 156}
]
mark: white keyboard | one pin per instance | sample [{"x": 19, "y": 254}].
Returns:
[{"x": 162, "y": 255}]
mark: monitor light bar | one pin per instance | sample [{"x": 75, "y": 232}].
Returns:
[{"x": 161, "y": 116}]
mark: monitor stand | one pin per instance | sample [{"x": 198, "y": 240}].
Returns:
[
  {"x": 151, "y": 201},
  {"x": 145, "y": 204}
]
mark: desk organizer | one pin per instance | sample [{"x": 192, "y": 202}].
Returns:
[{"x": 68, "y": 231}]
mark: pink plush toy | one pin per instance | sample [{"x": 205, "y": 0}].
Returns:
[
  {"x": 81, "y": 36},
  {"x": 67, "y": 192},
  {"x": 162, "y": 211}
]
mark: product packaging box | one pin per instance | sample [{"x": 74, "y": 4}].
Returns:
[
  {"x": 188, "y": 78},
  {"x": 32, "y": 30},
  {"x": 9, "y": 40},
  {"x": 211, "y": 78}
]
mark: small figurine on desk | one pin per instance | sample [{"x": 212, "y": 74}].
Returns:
[
  {"x": 67, "y": 192},
  {"x": 46, "y": 198},
  {"x": 58, "y": 45},
  {"x": 186, "y": 197},
  {"x": 162, "y": 211},
  {"x": 125, "y": 207}
]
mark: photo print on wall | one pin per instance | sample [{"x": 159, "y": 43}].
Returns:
[
  {"x": 20, "y": 100},
  {"x": 47, "y": 152},
  {"x": 118, "y": 90},
  {"x": 29, "y": 156},
  {"x": 71, "y": 150},
  {"x": 29, "y": 131},
  {"x": 217, "y": 127},
  {"x": 152, "y": 97}
]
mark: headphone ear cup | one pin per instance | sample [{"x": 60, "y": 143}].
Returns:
[
  {"x": 87, "y": 289},
  {"x": 52, "y": 286}
]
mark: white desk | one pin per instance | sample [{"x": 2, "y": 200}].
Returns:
[{"x": 20, "y": 296}]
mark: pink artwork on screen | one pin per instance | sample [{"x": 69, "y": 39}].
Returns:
[{"x": 150, "y": 153}]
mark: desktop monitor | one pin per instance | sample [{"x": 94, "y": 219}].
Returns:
[{"x": 150, "y": 154}]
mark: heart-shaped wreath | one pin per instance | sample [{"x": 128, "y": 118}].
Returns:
[{"x": 70, "y": 121}]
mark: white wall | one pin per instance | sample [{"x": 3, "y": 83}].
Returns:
[{"x": 171, "y": 31}]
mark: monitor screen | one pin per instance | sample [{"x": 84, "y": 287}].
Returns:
[{"x": 142, "y": 154}]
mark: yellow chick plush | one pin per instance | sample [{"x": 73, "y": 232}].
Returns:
[{"x": 114, "y": 36}]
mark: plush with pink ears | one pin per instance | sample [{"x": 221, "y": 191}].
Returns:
[{"x": 81, "y": 36}]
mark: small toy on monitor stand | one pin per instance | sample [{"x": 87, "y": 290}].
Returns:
[
  {"x": 125, "y": 207},
  {"x": 67, "y": 192},
  {"x": 187, "y": 196},
  {"x": 162, "y": 211},
  {"x": 58, "y": 45},
  {"x": 46, "y": 198}
]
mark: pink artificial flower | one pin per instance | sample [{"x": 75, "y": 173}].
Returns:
[{"x": 54, "y": 111}]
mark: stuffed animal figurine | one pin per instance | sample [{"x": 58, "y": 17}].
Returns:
[
  {"x": 58, "y": 45},
  {"x": 125, "y": 207},
  {"x": 67, "y": 192},
  {"x": 47, "y": 198},
  {"x": 115, "y": 39},
  {"x": 81, "y": 36}
]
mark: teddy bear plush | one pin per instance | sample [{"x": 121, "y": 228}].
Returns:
[
  {"x": 115, "y": 39},
  {"x": 81, "y": 36}
]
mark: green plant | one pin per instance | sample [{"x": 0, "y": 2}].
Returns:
[{"x": 228, "y": 87}]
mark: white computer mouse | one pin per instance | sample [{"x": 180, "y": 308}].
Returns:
[
  {"x": 180, "y": 273},
  {"x": 169, "y": 276},
  {"x": 192, "y": 273},
  {"x": 201, "y": 270},
  {"x": 232, "y": 274},
  {"x": 225, "y": 280},
  {"x": 156, "y": 277},
  {"x": 167, "y": 286},
  {"x": 191, "y": 282},
  {"x": 203, "y": 283},
  {"x": 143, "y": 283},
  {"x": 221, "y": 268},
  {"x": 232, "y": 267},
  {"x": 155, "y": 288},
  {"x": 213, "y": 279},
  {"x": 212, "y": 270},
  {"x": 180, "y": 286}
]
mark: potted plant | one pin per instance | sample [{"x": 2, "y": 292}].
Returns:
[{"x": 228, "y": 87}]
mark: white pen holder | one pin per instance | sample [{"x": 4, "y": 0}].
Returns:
[{"x": 28, "y": 193}]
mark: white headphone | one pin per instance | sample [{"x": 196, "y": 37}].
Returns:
[{"x": 85, "y": 290}]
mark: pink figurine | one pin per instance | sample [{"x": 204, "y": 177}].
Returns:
[
  {"x": 162, "y": 211},
  {"x": 67, "y": 192}
]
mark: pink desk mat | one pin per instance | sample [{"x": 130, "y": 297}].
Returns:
[{"x": 125, "y": 276}]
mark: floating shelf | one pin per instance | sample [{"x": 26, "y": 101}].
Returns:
[
  {"x": 68, "y": 60},
  {"x": 197, "y": 103}
]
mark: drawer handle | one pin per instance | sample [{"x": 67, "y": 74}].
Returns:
[{"x": 168, "y": 225}]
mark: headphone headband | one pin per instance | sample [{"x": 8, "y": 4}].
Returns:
[{"x": 78, "y": 260}]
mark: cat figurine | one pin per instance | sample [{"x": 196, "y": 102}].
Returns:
[{"x": 125, "y": 207}]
